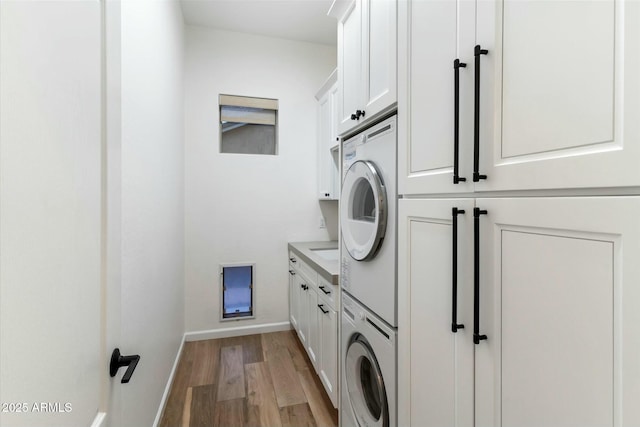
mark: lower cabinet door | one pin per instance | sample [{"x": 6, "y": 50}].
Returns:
[
  {"x": 293, "y": 300},
  {"x": 559, "y": 302},
  {"x": 435, "y": 359},
  {"x": 302, "y": 287},
  {"x": 328, "y": 322},
  {"x": 313, "y": 336}
]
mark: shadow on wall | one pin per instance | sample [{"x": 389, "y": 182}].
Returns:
[{"x": 329, "y": 209}]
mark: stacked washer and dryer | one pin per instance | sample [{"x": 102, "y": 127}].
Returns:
[{"x": 368, "y": 277}]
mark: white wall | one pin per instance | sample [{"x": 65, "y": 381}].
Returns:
[
  {"x": 245, "y": 208},
  {"x": 152, "y": 186},
  {"x": 50, "y": 212}
]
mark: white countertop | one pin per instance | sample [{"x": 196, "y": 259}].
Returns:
[{"x": 329, "y": 269}]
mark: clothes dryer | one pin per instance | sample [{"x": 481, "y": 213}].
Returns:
[{"x": 368, "y": 219}]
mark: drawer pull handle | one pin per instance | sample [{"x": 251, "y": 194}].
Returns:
[
  {"x": 324, "y": 290},
  {"x": 476, "y": 275},
  {"x": 322, "y": 309},
  {"x": 456, "y": 120},
  {"x": 476, "y": 116},
  {"x": 454, "y": 274}
]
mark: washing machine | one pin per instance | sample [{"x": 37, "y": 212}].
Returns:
[
  {"x": 368, "y": 206},
  {"x": 369, "y": 373}
]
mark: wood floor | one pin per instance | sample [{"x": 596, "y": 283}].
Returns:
[{"x": 255, "y": 380}]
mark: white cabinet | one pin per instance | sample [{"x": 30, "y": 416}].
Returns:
[
  {"x": 293, "y": 298},
  {"x": 555, "y": 109},
  {"x": 366, "y": 60},
  {"x": 299, "y": 305},
  {"x": 435, "y": 365},
  {"x": 313, "y": 332},
  {"x": 328, "y": 161},
  {"x": 313, "y": 308},
  {"x": 548, "y": 99},
  {"x": 329, "y": 355},
  {"x": 431, "y": 36},
  {"x": 328, "y": 331},
  {"x": 379, "y": 47},
  {"x": 302, "y": 282},
  {"x": 306, "y": 318},
  {"x": 350, "y": 67},
  {"x": 557, "y": 304},
  {"x": 301, "y": 308},
  {"x": 559, "y": 107}
]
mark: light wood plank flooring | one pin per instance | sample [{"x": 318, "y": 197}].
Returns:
[{"x": 256, "y": 380}]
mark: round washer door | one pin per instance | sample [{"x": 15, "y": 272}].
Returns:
[
  {"x": 363, "y": 210},
  {"x": 365, "y": 385}
]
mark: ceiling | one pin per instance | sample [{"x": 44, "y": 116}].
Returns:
[{"x": 303, "y": 20}]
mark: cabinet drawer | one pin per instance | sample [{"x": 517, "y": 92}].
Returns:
[
  {"x": 309, "y": 273},
  {"x": 293, "y": 261},
  {"x": 305, "y": 280},
  {"x": 327, "y": 292}
]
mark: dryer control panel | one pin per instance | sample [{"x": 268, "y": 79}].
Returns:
[{"x": 349, "y": 152}]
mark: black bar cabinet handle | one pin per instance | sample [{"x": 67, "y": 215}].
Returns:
[
  {"x": 293, "y": 260},
  {"x": 476, "y": 275},
  {"x": 454, "y": 276},
  {"x": 291, "y": 272},
  {"x": 324, "y": 290},
  {"x": 322, "y": 309},
  {"x": 476, "y": 116},
  {"x": 456, "y": 120}
]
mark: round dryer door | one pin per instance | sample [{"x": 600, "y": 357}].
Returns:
[
  {"x": 363, "y": 210},
  {"x": 365, "y": 385}
]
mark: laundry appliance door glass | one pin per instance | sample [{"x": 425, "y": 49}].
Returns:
[
  {"x": 363, "y": 210},
  {"x": 365, "y": 385}
]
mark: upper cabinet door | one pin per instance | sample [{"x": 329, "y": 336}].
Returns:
[
  {"x": 432, "y": 35},
  {"x": 325, "y": 182},
  {"x": 327, "y": 140},
  {"x": 379, "y": 40},
  {"x": 558, "y": 300},
  {"x": 559, "y": 94},
  {"x": 366, "y": 62},
  {"x": 350, "y": 65}
]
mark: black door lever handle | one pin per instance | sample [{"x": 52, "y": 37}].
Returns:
[{"x": 118, "y": 361}]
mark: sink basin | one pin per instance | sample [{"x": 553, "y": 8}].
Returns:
[{"x": 327, "y": 254}]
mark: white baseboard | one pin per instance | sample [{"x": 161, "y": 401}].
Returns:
[
  {"x": 99, "y": 420},
  {"x": 167, "y": 388},
  {"x": 237, "y": 331}
]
